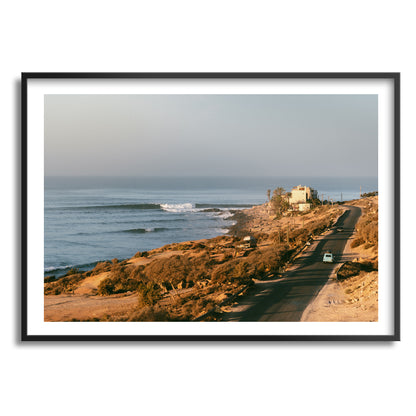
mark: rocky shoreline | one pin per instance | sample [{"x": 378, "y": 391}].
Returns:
[{"x": 182, "y": 281}]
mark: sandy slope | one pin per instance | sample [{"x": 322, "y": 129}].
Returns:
[
  {"x": 353, "y": 300},
  {"x": 83, "y": 304},
  {"x": 85, "y": 307}
]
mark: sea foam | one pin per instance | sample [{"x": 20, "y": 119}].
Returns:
[{"x": 186, "y": 207}]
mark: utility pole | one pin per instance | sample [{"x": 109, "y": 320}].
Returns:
[{"x": 287, "y": 233}]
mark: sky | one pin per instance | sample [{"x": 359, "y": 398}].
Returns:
[{"x": 211, "y": 135}]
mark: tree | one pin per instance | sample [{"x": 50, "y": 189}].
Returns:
[
  {"x": 280, "y": 202},
  {"x": 279, "y": 191},
  {"x": 268, "y": 194}
]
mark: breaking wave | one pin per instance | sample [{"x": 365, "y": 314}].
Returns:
[
  {"x": 62, "y": 269},
  {"x": 186, "y": 207},
  {"x": 51, "y": 269},
  {"x": 225, "y": 214},
  {"x": 190, "y": 207}
]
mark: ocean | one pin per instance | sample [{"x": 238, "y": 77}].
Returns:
[{"x": 94, "y": 219}]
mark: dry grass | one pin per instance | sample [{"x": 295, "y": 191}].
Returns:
[{"x": 367, "y": 227}]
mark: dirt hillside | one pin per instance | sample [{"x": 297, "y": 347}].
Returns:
[{"x": 354, "y": 298}]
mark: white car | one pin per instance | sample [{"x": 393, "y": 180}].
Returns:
[{"x": 328, "y": 258}]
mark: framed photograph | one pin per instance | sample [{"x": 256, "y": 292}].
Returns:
[{"x": 210, "y": 206}]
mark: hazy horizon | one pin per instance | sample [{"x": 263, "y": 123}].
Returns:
[
  {"x": 211, "y": 135},
  {"x": 197, "y": 183}
]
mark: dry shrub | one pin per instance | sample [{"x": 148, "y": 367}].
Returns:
[
  {"x": 141, "y": 254},
  {"x": 222, "y": 259},
  {"x": 299, "y": 236},
  {"x": 176, "y": 269},
  {"x": 120, "y": 280},
  {"x": 65, "y": 284},
  {"x": 106, "y": 287},
  {"x": 368, "y": 194},
  {"x": 184, "y": 246},
  {"x": 348, "y": 269},
  {"x": 186, "y": 308},
  {"x": 136, "y": 273},
  {"x": 49, "y": 279},
  {"x": 260, "y": 236},
  {"x": 217, "y": 240},
  {"x": 318, "y": 226},
  {"x": 72, "y": 271},
  {"x": 268, "y": 261},
  {"x": 351, "y": 269},
  {"x": 149, "y": 294},
  {"x": 199, "y": 246},
  {"x": 235, "y": 272},
  {"x": 101, "y": 267},
  {"x": 357, "y": 242},
  {"x": 201, "y": 306}
]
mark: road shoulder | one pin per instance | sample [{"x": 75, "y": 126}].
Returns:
[{"x": 332, "y": 304}]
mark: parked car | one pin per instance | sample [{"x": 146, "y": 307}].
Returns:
[{"x": 328, "y": 257}]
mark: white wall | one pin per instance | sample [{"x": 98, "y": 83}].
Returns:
[{"x": 202, "y": 379}]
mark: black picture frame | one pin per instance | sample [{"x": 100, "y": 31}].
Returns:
[{"x": 29, "y": 76}]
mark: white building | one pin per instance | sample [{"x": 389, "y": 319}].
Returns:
[{"x": 301, "y": 194}]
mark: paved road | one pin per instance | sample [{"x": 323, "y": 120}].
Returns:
[{"x": 284, "y": 300}]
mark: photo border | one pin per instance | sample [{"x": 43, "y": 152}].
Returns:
[{"x": 210, "y": 75}]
